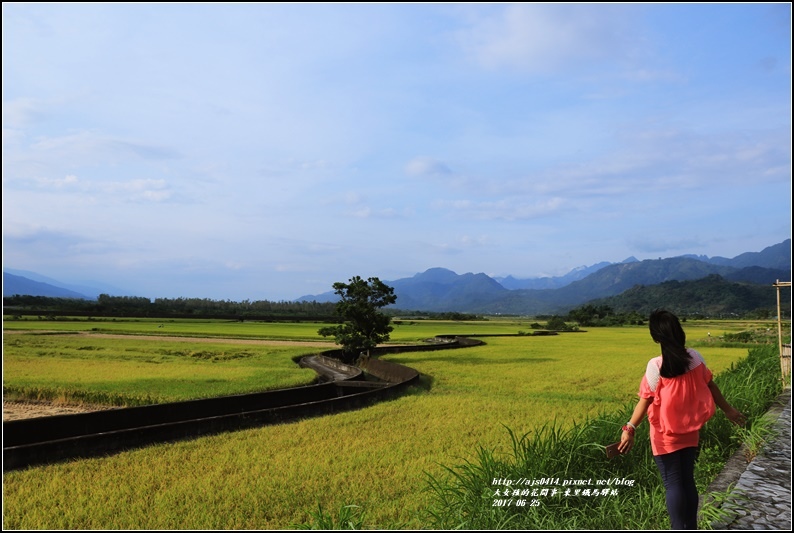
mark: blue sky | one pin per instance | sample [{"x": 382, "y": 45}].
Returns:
[{"x": 266, "y": 151}]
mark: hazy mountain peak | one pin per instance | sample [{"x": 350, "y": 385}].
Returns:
[
  {"x": 437, "y": 275},
  {"x": 20, "y": 285}
]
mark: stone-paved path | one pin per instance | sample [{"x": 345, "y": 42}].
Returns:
[{"x": 764, "y": 485}]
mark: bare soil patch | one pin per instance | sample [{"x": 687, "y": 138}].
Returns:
[{"x": 22, "y": 410}]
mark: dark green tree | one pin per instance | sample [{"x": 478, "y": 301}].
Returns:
[
  {"x": 363, "y": 326},
  {"x": 557, "y": 323},
  {"x": 590, "y": 315}
]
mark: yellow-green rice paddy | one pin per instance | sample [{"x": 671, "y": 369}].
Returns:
[{"x": 377, "y": 457}]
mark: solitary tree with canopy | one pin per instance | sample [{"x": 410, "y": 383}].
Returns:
[{"x": 363, "y": 326}]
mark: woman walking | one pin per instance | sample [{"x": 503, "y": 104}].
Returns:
[{"x": 679, "y": 396}]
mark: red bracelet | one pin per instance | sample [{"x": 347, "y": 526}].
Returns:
[{"x": 629, "y": 429}]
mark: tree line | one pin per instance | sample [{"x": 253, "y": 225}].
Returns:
[
  {"x": 708, "y": 297},
  {"x": 138, "y": 306}
]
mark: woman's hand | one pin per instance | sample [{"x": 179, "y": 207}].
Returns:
[
  {"x": 735, "y": 416},
  {"x": 627, "y": 439},
  {"x": 626, "y": 442}
]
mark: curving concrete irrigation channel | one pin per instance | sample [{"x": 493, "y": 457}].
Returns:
[{"x": 339, "y": 387}]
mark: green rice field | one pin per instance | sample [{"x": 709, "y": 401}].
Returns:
[
  {"x": 131, "y": 371},
  {"x": 378, "y": 458}
]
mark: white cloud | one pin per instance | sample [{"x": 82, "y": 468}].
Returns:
[
  {"x": 475, "y": 242},
  {"x": 384, "y": 213},
  {"x": 59, "y": 183},
  {"x": 426, "y": 166},
  {"x": 509, "y": 209},
  {"x": 565, "y": 121},
  {"x": 297, "y": 267},
  {"x": 149, "y": 190},
  {"x": 21, "y": 112},
  {"x": 46, "y": 242},
  {"x": 143, "y": 150},
  {"x": 90, "y": 146},
  {"x": 91, "y": 155},
  {"x": 653, "y": 245},
  {"x": 153, "y": 190},
  {"x": 545, "y": 37},
  {"x": 654, "y": 160},
  {"x": 154, "y": 196},
  {"x": 646, "y": 75}
]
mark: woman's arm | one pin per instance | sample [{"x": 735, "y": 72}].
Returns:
[
  {"x": 627, "y": 439},
  {"x": 733, "y": 415}
]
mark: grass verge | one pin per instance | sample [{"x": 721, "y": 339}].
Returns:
[{"x": 472, "y": 495}]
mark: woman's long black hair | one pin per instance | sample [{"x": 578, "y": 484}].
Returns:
[{"x": 667, "y": 331}]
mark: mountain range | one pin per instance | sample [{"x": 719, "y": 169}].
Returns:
[
  {"x": 547, "y": 282},
  {"x": 13, "y": 284},
  {"x": 442, "y": 290},
  {"x": 25, "y": 282}
]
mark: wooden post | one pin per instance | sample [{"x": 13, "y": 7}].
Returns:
[{"x": 784, "y": 350}]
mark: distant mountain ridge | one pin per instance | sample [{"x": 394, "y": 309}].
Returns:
[
  {"x": 616, "y": 279},
  {"x": 438, "y": 286},
  {"x": 442, "y": 290},
  {"x": 13, "y": 285},
  {"x": 25, "y": 282},
  {"x": 556, "y": 282}
]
